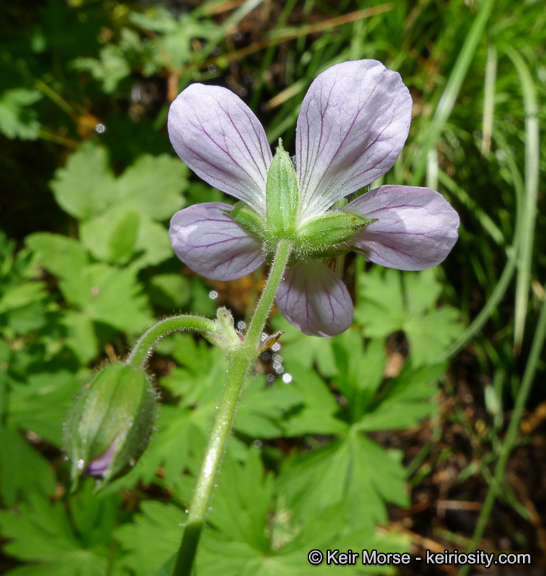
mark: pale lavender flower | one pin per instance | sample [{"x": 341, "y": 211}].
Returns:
[{"x": 352, "y": 126}]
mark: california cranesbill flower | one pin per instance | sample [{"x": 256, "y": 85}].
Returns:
[{"x": 352, "y": 126}]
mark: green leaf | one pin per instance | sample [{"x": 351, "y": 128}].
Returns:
[
  {"x": 262, "y": 409},
  {"x": 60, "y": 255},
  {"x": 85, "y": 186},
  {"x": 16, "y": 119},
  {"x": 318, "y": 408},
  {"x": 251, "y": 531},
  {"x": 23, "y": 470},
  {"x": 389, "y": 301},
  {"x": 110, "y": 69},
  {"x": 106, "y": 295},
  {"x": 81, "y": 338},
  {"x": 152, "y": 186},
  {"x": 116, "y": 299},
  {"x": 40, "y": 405},
  {"x": 28, "y": 318},
  {"x": 201, "y": 302},
  {"x": 21, "y": 295},
  {"x": 152, "y": 243},
  {"x": 75, "y": 545},
  {"x": 177, "y": 445},
  {"x": 430, "y": 334},
  {"x": 109, "y": 295},
  {"x": 360, "y": 371},
  {"x": 172, "y": 46},
  {"x": 86, "y": 189},
  {"x": 121, "y": 243},
  {"x": 352, "y": 469},
  {"x": 149, "y": 241},
  {"x": 241, "y": 504},
  {"x": 202, "y": 370},
  {"x": 169, "y": 291},
  {"x": 152, "y": 538},
  {"x": 406, "y": 399}
]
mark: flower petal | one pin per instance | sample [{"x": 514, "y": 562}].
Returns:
[
  {"x": 315, "y": 300},
  {"x": 100, "y": 465},
  {"x": 213, "y": 244},
  {"x": 352, "y": 126},
  {"x": 218, "y": 136},
  {"x": 416, "y": 228}
]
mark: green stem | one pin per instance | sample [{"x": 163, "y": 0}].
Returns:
[
  {"x": 52, "y": 95},
  {"x": 512, "y": 432},
  {"x": 252, "y": 340},
  {"x": 144, "y": 346},
  {"x": 241, "y": 364}
]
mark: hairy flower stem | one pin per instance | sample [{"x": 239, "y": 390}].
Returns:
[
  {"x": 241, "y": 364},
  {"x": 145, "y": 344}
]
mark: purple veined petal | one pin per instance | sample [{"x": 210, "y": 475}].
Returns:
[
  {"x": 213, "y": 244},
  {"x": 218, "y": 136},
  {"x": 416, "y": 228},
  {"x": 100, "y": 465},
  {"x": 353, "y": 124},
  {"x": 315, "y": 300}
]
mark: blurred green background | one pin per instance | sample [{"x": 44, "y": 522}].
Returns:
[{"x": 422, "y": 427}]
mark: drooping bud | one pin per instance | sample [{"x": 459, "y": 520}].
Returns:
[
  {"x": 328, "y": 233},
  {"x": 111, "y": 421},
  {"x": 282, "y": 196}
]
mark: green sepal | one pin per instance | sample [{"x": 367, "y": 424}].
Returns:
[
  {"x": 282, "y": 196},
  {"x": 329, "y": 233},
  {"x": 226, "y": 337},
  {"x": 116, "y": 409},
  {"x": 249, "y": 220}
]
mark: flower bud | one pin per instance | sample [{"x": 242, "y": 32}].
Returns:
[{"x": 111, "y": 421}]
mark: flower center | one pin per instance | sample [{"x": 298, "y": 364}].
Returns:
[{"x": 325, "y": 235}]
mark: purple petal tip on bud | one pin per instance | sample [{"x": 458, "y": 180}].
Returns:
[{"x": 99, "y": 466}]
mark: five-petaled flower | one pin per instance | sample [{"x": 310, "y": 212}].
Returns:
[{"x": 352, "y": 126}]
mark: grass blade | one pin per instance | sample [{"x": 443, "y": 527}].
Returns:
[
  {"x": 489, "y": 98},
  {"x": 451, "y": 91},
  {"x": 529, "y": 203}
]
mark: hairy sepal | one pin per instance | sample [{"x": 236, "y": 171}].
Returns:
[
  {"x": 330, "y": 234},
  {"x": 249, "y": 220},
  {"x": 282, "y": 196}
]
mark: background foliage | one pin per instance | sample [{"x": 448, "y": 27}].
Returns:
[{"x": 392, "y": 431}]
